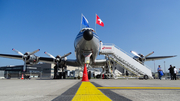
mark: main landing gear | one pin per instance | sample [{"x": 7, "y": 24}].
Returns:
[{"x": 59, "y": 75}]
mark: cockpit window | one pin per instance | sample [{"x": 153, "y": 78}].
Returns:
[
  {"x": 83, "y": 30},
  {"x": 87, "y": 29}
]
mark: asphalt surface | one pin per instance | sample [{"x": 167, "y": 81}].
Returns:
[{"x": 64, "y": 90}]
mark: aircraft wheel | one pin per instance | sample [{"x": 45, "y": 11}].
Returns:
[
  {"x": 89, "y": 75},
  {"x": 64, "y": 75},
  {"x": 94, "y": 75},
  {"x": 146, "y": 77},
  {"x": 60, "y": 75}
]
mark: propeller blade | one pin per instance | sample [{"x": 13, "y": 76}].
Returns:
[
  {"x": 135, "y": 53},
  {"x": 50, "y": 55},
  {"x": 66, "y": 55},
  {"x": 18, "y": 52},
  {"x": 34, "y": 52},
  {"x": 149, "y": 54},
  {"x": 24, "y": 67}
]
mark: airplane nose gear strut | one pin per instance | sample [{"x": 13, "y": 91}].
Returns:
[{"x": 87, "y": 61}]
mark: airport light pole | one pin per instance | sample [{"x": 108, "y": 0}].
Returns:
[
  {"x": 154, "y": 67},
  {"x": 164, "y": 69}
]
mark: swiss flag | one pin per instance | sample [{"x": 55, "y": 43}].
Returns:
[{"x": 99, "y": 21}]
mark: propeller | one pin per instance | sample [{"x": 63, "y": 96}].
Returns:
[
  {"x": 58, "y": 58},
  {"x": 135, "y": 53},
  {"x": 50, "y": 55},
  {"x": 149, "y": 54},
  {"x": 25, "y": 56},
  {"x": 141, "y": 58}
]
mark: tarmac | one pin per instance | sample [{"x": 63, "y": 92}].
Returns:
[{"x": 95, "y": 90}]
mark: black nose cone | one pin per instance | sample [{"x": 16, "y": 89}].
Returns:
[{"x": 88, "y": 35}]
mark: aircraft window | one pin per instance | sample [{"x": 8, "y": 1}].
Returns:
[
  {"x": 82, "y": 30},
  {"x": 87, "y": 29}
]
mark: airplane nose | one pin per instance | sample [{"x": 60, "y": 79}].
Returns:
[{"x": 88, "y": 35}]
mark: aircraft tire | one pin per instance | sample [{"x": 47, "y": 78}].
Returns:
[
  {"x": 89, "y": 75},
  {"x": 98, "y": 76},
  {"x": 64, "y": 75},
  {"x": 146, "y": 77},
  {"x": 60, "y": 75}
]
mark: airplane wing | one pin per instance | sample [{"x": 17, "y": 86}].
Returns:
[
  {"x": 11, "y": 56},
  {"x": 99, "y": 62},
  {"x": 158, "y": 57},
  {"x": 70, "y": 62}
]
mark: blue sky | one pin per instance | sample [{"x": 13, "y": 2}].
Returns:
[{"x": 140, "y": 25}]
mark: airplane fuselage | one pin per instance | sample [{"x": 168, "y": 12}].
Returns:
[{"x": 86, "y": 42}]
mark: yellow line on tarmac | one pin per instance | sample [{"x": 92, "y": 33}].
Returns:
[
  {"x": 158, "y": 88},
  {"x": 88, "y": 92}
]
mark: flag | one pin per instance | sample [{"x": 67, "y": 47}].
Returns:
[
  {"x": 99, "y": 21},
  {"x": 85, "y": 21}
]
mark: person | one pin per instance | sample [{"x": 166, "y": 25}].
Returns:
[
  {"x": 159, "y": 70},
  {"x": 127, "y": 74},
  {"x": 9, "y": 76},
  {"x": 175, "y": 72},
  {"x": 171, "y": 72}
]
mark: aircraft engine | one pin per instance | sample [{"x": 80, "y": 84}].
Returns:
[
  {"x": 58, "y": 58},
  {"x": 139, "y": 57},
  {"x": 31, "y": 59},
  {"x": 28, "y": 58}
]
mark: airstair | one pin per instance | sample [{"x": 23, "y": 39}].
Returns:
[{"x": 127, "y": 62}]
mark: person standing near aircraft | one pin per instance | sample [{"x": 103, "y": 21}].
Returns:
[
  {"x": 171, "y": 71},
  {"x": 175, "y": 72},
  {"x": 127, "y": 74},
  {"x": 159, "y": 70}
]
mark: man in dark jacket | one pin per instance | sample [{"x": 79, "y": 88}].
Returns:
[
  {"x": 127, "y": 74},
  {"x": 171, "y": 71}
]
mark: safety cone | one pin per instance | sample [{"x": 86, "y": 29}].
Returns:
[
  {"x": 22, "y": 76},
  {"x": 85, "y": 75}
]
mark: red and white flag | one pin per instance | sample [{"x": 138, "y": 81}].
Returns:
[{"x": 99, "y": 21}]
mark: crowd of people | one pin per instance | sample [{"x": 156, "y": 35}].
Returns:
[{"x": 172, "y": 72}]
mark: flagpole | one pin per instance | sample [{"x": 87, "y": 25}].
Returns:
[
  {"x": 81, "y": 22},
  {"x": 95, "y": 22}
]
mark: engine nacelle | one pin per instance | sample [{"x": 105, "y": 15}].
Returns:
[
  {"x": 32, "y": 59},
  {"x": 139, "y": 59}
]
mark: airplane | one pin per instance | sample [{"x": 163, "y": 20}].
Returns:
[
  {"x": 87, "y": 45},
  {"x": 141, "y": 58}
]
